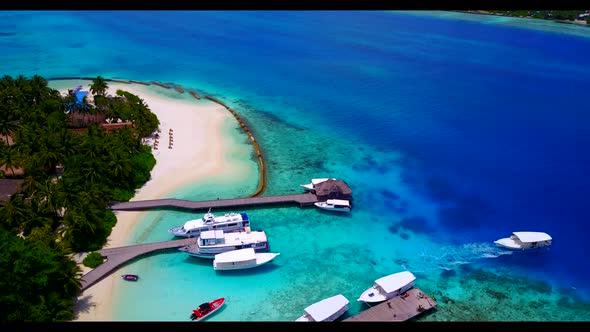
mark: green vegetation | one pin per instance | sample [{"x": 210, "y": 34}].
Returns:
[
  {"x": 562, "y": 15},
  {"x": 39, "y": 281},
  {"x": 59, "y": 213},
  {"x": 93, "y": 259}
]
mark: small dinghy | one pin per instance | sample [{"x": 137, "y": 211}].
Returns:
[{"x": 130, "y": 277}]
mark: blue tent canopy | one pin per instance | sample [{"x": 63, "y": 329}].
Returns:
[{"x": 79, "y": 97}]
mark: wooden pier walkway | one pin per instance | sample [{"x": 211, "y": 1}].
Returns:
[
  {"x": 118, "y": 256},
  {"x": 398, "y": 309},
  {"x": 301, "y": 199}
]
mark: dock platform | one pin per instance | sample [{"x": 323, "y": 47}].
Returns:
[
  {"x": 398, "y": 309},
  {"x": 120, "y": 255},
  {"x": 301, "y": 199}
]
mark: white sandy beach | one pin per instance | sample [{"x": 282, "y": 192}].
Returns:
[{"x": 197, "y": 153}]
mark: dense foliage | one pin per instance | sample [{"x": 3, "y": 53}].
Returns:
[
  {"x": 566, "y": 15},
  {"x": 59, "y": 212},
  {"x": 93, "y": 259},
  {"x": 39, "y": 281}
]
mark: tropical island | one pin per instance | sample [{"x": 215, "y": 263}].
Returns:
[
  {"x": 581, "y": 17},
  {"x": 70, "y": 164}
]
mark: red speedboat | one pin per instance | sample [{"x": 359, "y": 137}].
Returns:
[
  {"x": 130, "y": 277},
  {"x": 206, "y": 309}
]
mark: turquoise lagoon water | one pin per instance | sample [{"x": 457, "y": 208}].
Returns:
[{"x": 452, "y": 133}]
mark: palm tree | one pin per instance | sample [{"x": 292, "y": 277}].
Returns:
[
  {"x": 7, "y": 126},
  {"x": 99, "y": 86},
  {"x": 67, "y": 194},
  {"x": 46, "y": 195},
  {"x": 14, "y": 213},
  {"x": 69, "y": 274},
  {"x": 39, "y": 89},
  {"x": 10, "y": 158},
  {"x": 120, "y": 165},
  {"x": 29, "y": 185},
  {"x": 81, "y": 221},
  {"x": 48, "y": 158},
  {"x": 68, "y": 144}
]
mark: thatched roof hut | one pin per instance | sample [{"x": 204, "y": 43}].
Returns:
[
  {"x": 79, "y": 119},
  {"x": 333, "y": 189},
  {"x": 8, "y": 187}
]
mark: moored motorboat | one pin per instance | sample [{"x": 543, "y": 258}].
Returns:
[
  {"x": 211, "y": 243},
  {"x": 326, "y": 310},
  {"x": 340, "y": 205},
  {"x": 130, "y": 277},
  {"x": 228, "y": 222},
  {"x": 388, "y": 287},
  {"x": 206, "y": 309},
  {"x": 242, "y": 259},
  {"x": 525, "y": 241}
]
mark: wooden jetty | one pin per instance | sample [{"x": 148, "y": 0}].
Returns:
[
  {"x": 301, "y": 199},
  {"x": 118, "y": 256},
  {"x": 398, "y": 309}
]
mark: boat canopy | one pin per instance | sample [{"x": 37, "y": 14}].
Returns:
[
  {"x": 323, "y": 309},
  {"x": 528, "y": 237},
  {"x": 236, "y": 255},
  {"x": 395, "y": 281},
  {"x": 215, "y": 234},
  {"x": 338, "y": 202},
  {"x": 320, "y": 180}
]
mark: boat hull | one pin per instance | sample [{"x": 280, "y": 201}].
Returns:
[
  {"x": 261, "y": 259},
  {"x": 372, "y": 295},
  {"x": 331, "y": 208},
  {"x": 210, "y": 254},
  {"x": 230, "y": 222},
  {"x": 319, "y": 311},
  {"x": 508, "y": 243},
  {"x": 215, "y": 305},
  {"x": 130, "y": 277}
]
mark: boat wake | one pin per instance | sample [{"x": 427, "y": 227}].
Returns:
[{"x": 449, "y": 257}]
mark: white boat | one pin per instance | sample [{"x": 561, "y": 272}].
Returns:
[
  {"x": 326, "y": 310},
  {"x": 388, "y": 287},
  {"x": 242, "y": 259},
  {"x": 211, "y": 243},
  {"x": 228, "y": 222},
  {"x": 525, "y": 241},
  {"x": 334, "y": 205},
  {"x": 310, "y": 186}
]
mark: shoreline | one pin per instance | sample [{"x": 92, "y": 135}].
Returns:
[
  {"x": 197, "y": 152},
  {"x": 484, "y": 12}
]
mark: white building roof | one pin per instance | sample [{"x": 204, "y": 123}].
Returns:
[
  {"x": 338, "y": 202},
  {"x": 236, "y": 255},
  {"x": 395, "y": 281},
  {"x": 532, "y": 236},
  {"x": 326, "y": 307}
]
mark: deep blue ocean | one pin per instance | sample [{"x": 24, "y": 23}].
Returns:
[{"x": 452, "y": 130}]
